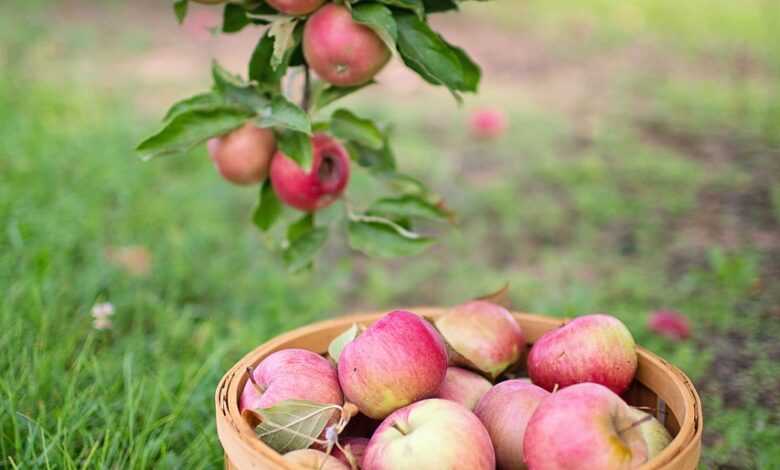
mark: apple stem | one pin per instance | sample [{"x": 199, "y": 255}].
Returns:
[
  {"x": 636, "y": 423},
  {"x": 400, "y": 428},
  {"x": 306, "y": 100},
  {"x": 257, "y": 386}
]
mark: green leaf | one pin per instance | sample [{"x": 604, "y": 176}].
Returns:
[
  {"x": 203, "y": 101},
  {"x": 191, "y": 128},
  {"x": 329, "y": 94},
  {"x": 297, "y": 146},
  {"x": 414, "y": 5},
  {"x": 408, "y": 206},
  {"x": 383, "y": 238},
  {"x": 234, "y": 18},
  {"x": 260, "y": 69},
  {"x": 304, "y": 247},
  {"x": 344, "y": 124},
  {"x": 180, "y": 9},
  {"x": 380, "y": 19},
  {"x": 233, "y": 89},
  {"x": 438, "y": 6},
  {"x": 295, "y": 230},
  {"x": 259, "y": 7},
  {"x": 284, "y": 114},
  {"x": 268, "y": 207},
  {"x": 433, "y": 58},
  {"x": 292, "y": 424},
  {"x": 282, "y": 31},
  {"x": 339, "y": 342}
]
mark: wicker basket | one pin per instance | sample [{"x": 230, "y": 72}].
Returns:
[{"x": 658, "y": 385}]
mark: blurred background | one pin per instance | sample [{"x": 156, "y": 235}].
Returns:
[{"x": 639, "y": 171}]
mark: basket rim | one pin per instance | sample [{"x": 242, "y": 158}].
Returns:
[{"x": 236, "y": 436}]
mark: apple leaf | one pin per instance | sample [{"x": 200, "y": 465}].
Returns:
[
  {"x": 383, "y": 238},
  {"x": 438, "y": 6},
  {"x": 433, "y": 58},
  {"x": 268, "y": 207},
  {"x": 339, "y": 342},
  {"x": 329, "y": 94},
  {"x": 234, "y": 18},
  {"x": 236, "y": 91},
  {"x": 379, "y": 161},
  {"x": 284, "y": 114},
  {"x": 292, "y": 424},
  {"x": 204, "y": 101},
  {"x": 344, "y": 124},
  {"x": 304, "y": 241},
  {"x": 416, "y": 6},
  {"x": 408, "y": 206},
  {"x": 297, "y": 146},
  {"x": 282, "y": 30},
  {"x": 180, "y": 10},
  {"x": 380, "y": 19},
  {"x": 260, "y": 69},
  {"x": 190, "y": 128}
]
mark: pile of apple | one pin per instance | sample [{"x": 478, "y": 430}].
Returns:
[{"x": 444, "y": 394}]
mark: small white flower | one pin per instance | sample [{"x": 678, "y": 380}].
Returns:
[
  {"x": 102, "y": 324},
  {"x": 102, "y": 311}
]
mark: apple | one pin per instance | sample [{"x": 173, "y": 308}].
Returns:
[
  {"x": 340, "y": 50},
  {"x": 431, "y": 434},
  {"x": 593, "y": 348},
  {"x": 243, "y": 156},
  {"x": 311, "y": 459},
  {"x": 505, "y": 411},
  {"x": 396, "y": 361},
  {"x": 483, "y": 336},
  {"x": 355, "y": 448},
  {"x": 588, "y": 426},
  {"x": 463, "y": 386},
  {"x": 291, "y": 374},
  {"x": 488, "y": 123},
  {"x": 210, "y": 2},
  {"x": 295, "y": 7},
  {"x": 318, "y": 188},
  {"x": 670, "y": 324}
]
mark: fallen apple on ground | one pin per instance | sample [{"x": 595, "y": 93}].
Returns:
[
  {"x": 432, "y": 434},
  {"x": 588, "y": 426},
  {"x": 592, "y": 348}
]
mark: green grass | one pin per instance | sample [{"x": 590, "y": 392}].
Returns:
[{"x": 669, "y": 200}]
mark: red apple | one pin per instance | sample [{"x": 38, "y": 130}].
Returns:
[
  {"x": 483, "y": 336},
  {"x": 355, "y": 448},
  {"x": 463, "y": 386},
  {"x": 311, "y": 459},
  {"x": 593, "y": 348},
  {"x": 319, "y": 187},
  {"x": 295, "y": 7},
  {"x": 291, "y": 374},
  {"x": 505, "y": 411},
  {"x": 488, "y": 123},
  {"x": 431, "y": 434},
  {"x": 398, "y": 360},
  {"x": 244, "y": 155},
  {"x": 588, "y": 426},
  {"x": 670, "y": 324},
  {"x": 341, "y": 51}
]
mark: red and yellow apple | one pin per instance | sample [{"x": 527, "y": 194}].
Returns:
[
  {"x": 588, "y": 426},
  {"x": 482, "y": 336},
  {"x": 317, "y": 188},
  {"x": 295, "y": 7},
  {"x": 396, "y": 361},
  {"x": 463, "y": 386},
  {"x": 505, "y": 410},
  {"x": 340, "y": 50},
  {"x": 431, "y": 434},
  {"x": 592, "y": 348},
  {"x": 243, "y": 156}
]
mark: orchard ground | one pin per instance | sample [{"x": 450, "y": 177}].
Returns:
[{"x": 641, "y": 170}]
